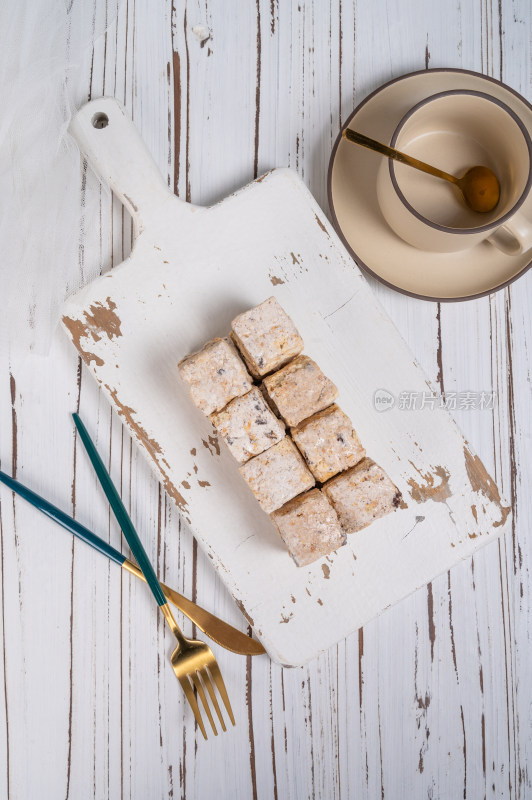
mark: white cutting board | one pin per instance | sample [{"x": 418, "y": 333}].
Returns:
[{"x": 192, "y": 270}]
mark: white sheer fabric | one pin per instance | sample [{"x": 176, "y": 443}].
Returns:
[{"x": 45, "y": 50}]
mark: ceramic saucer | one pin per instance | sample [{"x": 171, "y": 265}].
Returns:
[{"x": 360, "y": 224}]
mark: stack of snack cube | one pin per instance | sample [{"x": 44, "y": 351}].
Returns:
[{"x": 253, "y": 384}]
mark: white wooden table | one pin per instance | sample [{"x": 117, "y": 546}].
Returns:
[{"x": 434, "y": 698}]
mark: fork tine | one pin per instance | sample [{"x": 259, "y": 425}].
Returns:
[
  {"x": 206, "y": 678},
  {"x": 214, "y": 669},
  {"x": 199, "y": 688},
  {"x": 187, "y": 688}
]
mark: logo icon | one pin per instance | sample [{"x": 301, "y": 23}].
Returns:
[{"x": 383, "y": 400}]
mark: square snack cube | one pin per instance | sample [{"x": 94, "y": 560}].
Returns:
[
  {"x": 266, "y": 337},
  {"x": 309, "y": 527},
  {"x": 361, "y": 495},
  {"x": 277, "y": 475},
  {"x": 328, "y": 443},
  {"x": 299, "y": 390},
  {"x": 215, "y": 374},
  {"x": 248, "y": 426}
]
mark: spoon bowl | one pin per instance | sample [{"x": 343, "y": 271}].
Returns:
[{"x": 480, "y": 188}]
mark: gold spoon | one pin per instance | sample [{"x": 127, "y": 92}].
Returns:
[{"x": 479, "y": 186}]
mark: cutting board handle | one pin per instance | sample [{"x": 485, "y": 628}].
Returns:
[{"x": 115, "y": 149}]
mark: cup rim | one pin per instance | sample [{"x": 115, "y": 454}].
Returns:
[{"x": 436, "y": 225}]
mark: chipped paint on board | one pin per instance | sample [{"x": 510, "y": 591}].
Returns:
[
  {"x": 433, "y": 486},
  {"x": 481, "y": 482},
  {"x": 242, "y": 608},
  {"x": 103, "y": 319},
  {"x": 322, "y": 226},
  {"x": 212, "y": 445},
  {"x": 78, "y": 331},
  {"x": 150, "y": 445},
  {"x": 100, "y": 319}
]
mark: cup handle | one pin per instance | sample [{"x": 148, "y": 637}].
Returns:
[{"x": 514, "y": 237}]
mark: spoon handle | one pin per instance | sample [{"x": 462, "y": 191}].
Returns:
[{"x": 390, "y": 152}]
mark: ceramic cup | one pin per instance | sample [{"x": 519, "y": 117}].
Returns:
[{"x": 454, "y": 131}]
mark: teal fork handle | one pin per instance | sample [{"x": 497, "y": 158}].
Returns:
[
  {"x": 123, "y": 518},
  {"x": 63, "y": 519}
]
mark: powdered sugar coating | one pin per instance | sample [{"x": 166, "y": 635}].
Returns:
[
  {"x": 362, "y": 495},
  {"x": 215, "y": 375},
  {"x": 277, "y": 475},
  {"x": 266, "y": 337},
  {"x": 299, "y": 390},
  {"x": 328, "y": 443},
  {"x": 248, "y": 426},
  {"x": 309, "y": 527}
]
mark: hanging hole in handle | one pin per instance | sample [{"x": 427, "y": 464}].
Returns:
[{"x": 100, "y": 120}]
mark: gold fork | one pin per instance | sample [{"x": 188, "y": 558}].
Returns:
[
  {"x": 195, "y": 666},
  {"x": 193, "y": 662}
]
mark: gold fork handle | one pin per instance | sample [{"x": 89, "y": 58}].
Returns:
[
  {"x": 174, "y": 627},
  {"x": 390, "y": 152}
]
